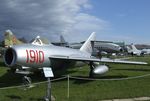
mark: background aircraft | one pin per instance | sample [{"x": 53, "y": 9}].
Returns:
[
  {"x": 61, "y": 43},
  {"x": 108, "y": 47},
  {"x": 146, "y": 51},
  {"x": 101, "y": 48},
  {"x": 134, "y": 51}
]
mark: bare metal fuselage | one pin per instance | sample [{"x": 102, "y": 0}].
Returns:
[{"x": 38, "y": 56}]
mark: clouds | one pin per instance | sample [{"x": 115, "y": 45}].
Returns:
[
  {"x": 48, "y": 18},
  {"x": 85, "y": 24},
  {"x": 72, "y": 18}
]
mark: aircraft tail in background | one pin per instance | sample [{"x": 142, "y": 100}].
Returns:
[
  {"x": 134, "y": 51},
  {"x": 129, "y": 50},
  {"x": 134, "y": 48},
  {"x": 62, "y": 40}
]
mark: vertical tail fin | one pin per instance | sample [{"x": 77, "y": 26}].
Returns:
[
  {"x": 128, "y": 49},
  {"x": 87, "y": 46},
  {"x": 62, "y": 40},
  {"x": 134, "y": 48},
  {"x": 10, "y": 39}
]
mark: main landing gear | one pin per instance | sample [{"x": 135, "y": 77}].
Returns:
[{"x": 91, "y": 75}]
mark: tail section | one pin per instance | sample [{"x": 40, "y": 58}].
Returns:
[
  {"x": 134, "y": 48},
  {"x": 128, "y": 49},
  {"x": 87, "y": 46},
  {"x": 10, "y": 39},
  {"x": 62, "y": 40}
]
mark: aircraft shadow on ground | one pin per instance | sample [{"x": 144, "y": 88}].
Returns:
[
  {"x": 12, "y": 79},
  {"x": 18, "y": 98},
  {"x": 62, "y": 72},
  {"x": 112, "y": 77},
  {"x": 14, "y": 97},
  {"x": 128, "y": 69},
  {"x": 36, "y": 99},
  {"x": 86, "y": 79}
]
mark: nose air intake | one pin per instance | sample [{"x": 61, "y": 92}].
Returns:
[{"x": 10, "y": 57}]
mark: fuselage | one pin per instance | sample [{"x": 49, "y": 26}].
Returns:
[
  {"x": 38, "y": 56},
  {"x": 108, "y": 47}
]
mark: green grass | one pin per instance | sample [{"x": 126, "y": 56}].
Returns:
[{"x": 82, "y": 90}]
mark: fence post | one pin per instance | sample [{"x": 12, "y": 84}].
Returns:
[{"x": 68, "y": 88}]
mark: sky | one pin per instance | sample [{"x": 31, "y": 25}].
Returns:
[{"x": 113, "y": 20}]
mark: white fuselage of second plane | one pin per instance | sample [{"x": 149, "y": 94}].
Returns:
[
  {"x": 101, "y": 46},
  {"x": 107, "y": 47}
]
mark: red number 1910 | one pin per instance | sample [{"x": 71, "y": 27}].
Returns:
[{"x": 35, "y": 56}]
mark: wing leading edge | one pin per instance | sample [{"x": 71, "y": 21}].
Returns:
[
  {"x": 107, "y": 60},
  {"x": 74, "y": 58},
  {"x": 93, "y": 59}
]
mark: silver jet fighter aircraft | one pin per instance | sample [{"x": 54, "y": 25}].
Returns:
[{"x": 39, "y": 56}]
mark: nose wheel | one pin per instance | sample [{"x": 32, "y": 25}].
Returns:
[{"x": 27, "y": 81}]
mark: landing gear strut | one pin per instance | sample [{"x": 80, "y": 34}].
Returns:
[
  {"x": 91, "y": 70},
  {"x": 27, "y": 81}
]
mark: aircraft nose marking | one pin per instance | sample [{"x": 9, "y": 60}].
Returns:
[{"x": 34, "y": 56}]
